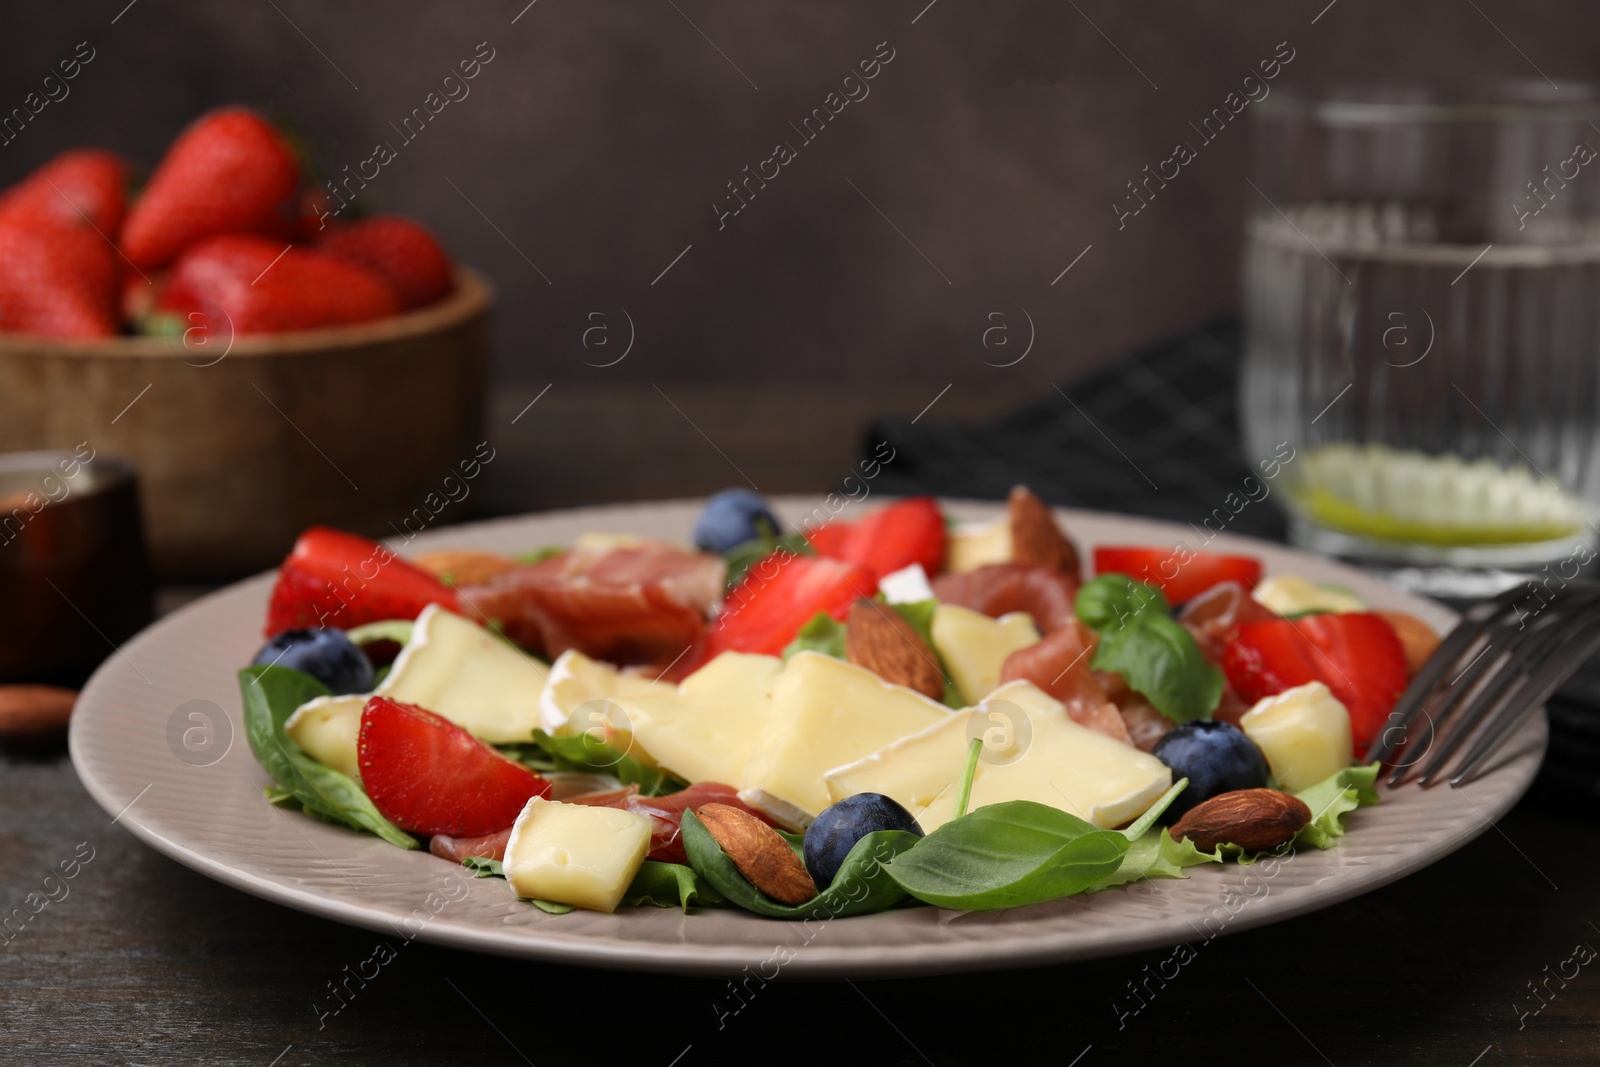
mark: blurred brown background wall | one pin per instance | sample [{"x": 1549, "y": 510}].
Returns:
[{"x": 583, "y": 170}]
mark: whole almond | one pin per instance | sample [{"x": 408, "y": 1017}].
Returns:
[
  {"x": 465, "y": 567},
  {"x": 34, "y": 714},
  {"x": 1035, "y": 537},
  {"x": 760, "y": 853},
  {"x": 1253, "y": 819},
  {"x": 1416, "y": 637},
  {"x": 879, "y": 638}
]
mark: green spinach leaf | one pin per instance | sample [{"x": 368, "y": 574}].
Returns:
[
  {"x": 861, "y": 887},
  {"x": 1006, "y": 855},
  {"x": 584, "y": 753},
  {"x": 484, "y": 867},
  {"x": 553, "y": 907},
  {"x": 271, "y": 695},
  {"x": 539, "y": 554},
  {"x": 670, "y": 885}
]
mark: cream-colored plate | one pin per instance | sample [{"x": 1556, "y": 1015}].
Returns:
[{"x": 129, "y": 725}]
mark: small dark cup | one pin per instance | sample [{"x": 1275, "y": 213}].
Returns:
[{"x": 74, "y": 574}]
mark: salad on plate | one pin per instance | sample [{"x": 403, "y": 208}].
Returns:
[{"x": 833, "y": 721}]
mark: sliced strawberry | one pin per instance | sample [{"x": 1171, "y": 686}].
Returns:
[
  {"x": 905, "y": 532},
  {"x": 1356, "y": 654},
  {"x": 781, "y": 594},
  {"x": 331, "y": 578},
  {"x": 429, "y": 776},
  {"x": 1181, "y": 575}
]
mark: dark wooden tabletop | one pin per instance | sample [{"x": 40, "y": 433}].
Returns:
[{"x": 139, "y": 960}]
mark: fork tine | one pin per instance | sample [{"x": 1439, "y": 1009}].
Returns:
[
  {"x": 1474, "y": 623},
  {"x": 1541, "y": 684},
  {"x": 1499, "y": 639},
  {"x": 1529, "y": 644}
]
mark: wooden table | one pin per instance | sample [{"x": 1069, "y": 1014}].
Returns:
[{"x": 144, "y": 961}]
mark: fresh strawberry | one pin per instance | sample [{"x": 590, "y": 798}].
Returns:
[
  {"x": 398, "y": 250},
  {"x": 905, "y": 532},
  {"x": 57, "y": 280},
  {"x": 1181, "y": 576},
  {"x": 1356, "y": 654},
  {"x": 429, "y": 776},
  {"x": 337, "y": 579},
  {"x": 244, "y": 284},
  {"x": 781, "y": 594},
  {"x": 86, "y": 185},
  {"x": 231, "y": 171}
]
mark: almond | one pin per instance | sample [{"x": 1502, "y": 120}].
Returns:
[
  {"x": 1035, "y": 537},
  {"x": 878, "y": 638},
  {"x": 760, "y": 853},
  {"x": 1416, "y": 637},
  {"x": 33, "y": 714},
  {"x": 1253, "y": 819},
  {"x": 464, "y": 567}
]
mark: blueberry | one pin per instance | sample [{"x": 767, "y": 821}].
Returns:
[
  {"x": 1215, "y": 757},
  {"x": 733, "y": 517},
  {"x": 327, "y": 655},
  {"x": 835, "y": 832}
]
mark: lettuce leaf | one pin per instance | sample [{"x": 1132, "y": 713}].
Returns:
[
  {"x": 1156, "y": 855},
  {"x": 1333, "y": 798},
  {"x": 823, "y": 633}
]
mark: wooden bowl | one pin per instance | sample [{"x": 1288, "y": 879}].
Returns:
[{"x": 240, "y": 447}]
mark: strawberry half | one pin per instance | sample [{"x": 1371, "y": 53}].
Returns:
[
  {"x": 1355, "y": 654},
  {"x": 905, "y": 532},
  {"x": 337, "y": 579},
  {"x": 400, "y": 252},
  {"x": 781, "y": 594},
  {"x": 230, "y": 171},
  {"x": 86, "y": 185},
  {"x": 429, "y": 776},
  {"x": 241, "y": 284}
]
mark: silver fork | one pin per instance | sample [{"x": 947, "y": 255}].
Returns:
[{"x": 1504, "y": 659}]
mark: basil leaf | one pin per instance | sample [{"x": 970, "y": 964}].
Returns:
[
  {"x": 823, "y": 633},
  {"x": 741, "y": 557},
  {"x": 861, "y": 887},
  {"x": 1115, "y": 600},
  {"x": 1007, "y": 855},
  {"x": 484, "y": 867},
  {"x": 1159, "y": 658},
  {"x": 1333, "y": 798},
  {"x": 271, "y": 695},
  {"x": 584, "y": 753},
  {"x": 670, "y": 885}
]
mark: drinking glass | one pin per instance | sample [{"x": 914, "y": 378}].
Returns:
[{"x": 1422, "y": 311}]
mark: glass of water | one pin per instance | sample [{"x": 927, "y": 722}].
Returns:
[{"x": 1422, "y": 310}]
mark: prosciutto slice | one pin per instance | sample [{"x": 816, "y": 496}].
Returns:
[
  {"x": 1060, "y": 666},
  {"x": 639, "y": 604},
  {"x": 1043, "y": 592}
]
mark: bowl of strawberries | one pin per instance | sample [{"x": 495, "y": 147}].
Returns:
[{"x": 265, "y": 359}]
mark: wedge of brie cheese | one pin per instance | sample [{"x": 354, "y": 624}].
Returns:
[
  {"x": 974, "y": 647},
  {"x": 826, "y": 713}
]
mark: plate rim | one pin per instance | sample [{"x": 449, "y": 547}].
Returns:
[{"x": 1014, "y": 950}]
